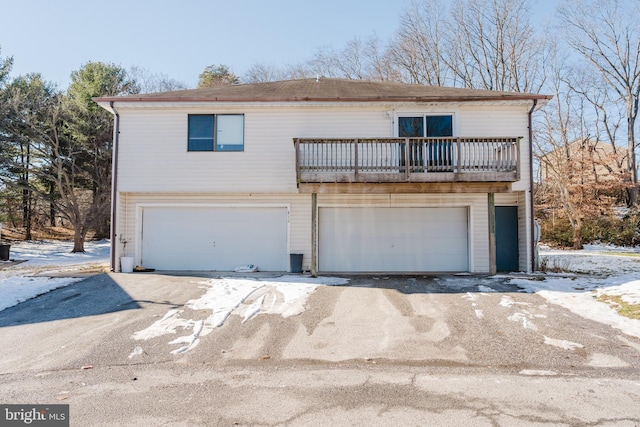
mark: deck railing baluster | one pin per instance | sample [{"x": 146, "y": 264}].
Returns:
[{"x": 407, "y": 159}]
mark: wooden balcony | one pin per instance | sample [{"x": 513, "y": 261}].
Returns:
[{"x": 408, "y": 160}]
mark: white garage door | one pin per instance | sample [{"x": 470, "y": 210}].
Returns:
[
  {"x": 393, "y": 240},
  {"x": 214, "y": 238}
]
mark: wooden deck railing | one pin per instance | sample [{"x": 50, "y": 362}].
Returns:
[{"x": 407, "y": 159}]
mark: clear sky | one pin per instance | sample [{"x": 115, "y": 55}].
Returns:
[{"x": 180, "y": 38}]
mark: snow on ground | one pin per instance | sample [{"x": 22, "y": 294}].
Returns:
[
  {"x": 286, "y": 296},
  {"x": 23, "y": 281},
  {"x": 597, "y": 270}
]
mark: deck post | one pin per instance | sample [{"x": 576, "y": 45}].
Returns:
[
  {"x": 296, "y": 143},
  {"x": 407, "y": 158},
  {"x": 355, "y": 157},
  {"x": 518, "y": 158},
  {"x": 459, "y": 155},
  {"x": 491, "y": 206},
  {"x": 314, "y": 235}
]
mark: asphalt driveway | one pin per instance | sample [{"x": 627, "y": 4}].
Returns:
[{"x": 395, "y": 331}]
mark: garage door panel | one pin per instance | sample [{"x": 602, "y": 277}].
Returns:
[
  {"x": 393, "y": 239},
  {"x": 211, "y": 238}
]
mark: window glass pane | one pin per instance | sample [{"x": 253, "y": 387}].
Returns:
[
  {"x": 410, "y": 127},
  {"x": 201, "y": 133},
  {"x": 439, "y": 126},
  {"x": 230, "y": 132}
]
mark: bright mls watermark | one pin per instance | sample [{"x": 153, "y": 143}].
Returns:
[{"x": 34, "y": 415}]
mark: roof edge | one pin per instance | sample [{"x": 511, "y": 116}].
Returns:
[{"x": 509, "y": 97}]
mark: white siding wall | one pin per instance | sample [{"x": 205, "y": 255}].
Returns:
[
  {"x": 478, "y": 215},
  {"x": 300, "y": 216},
  {"x": 153, "y": 149},
  {"x": 500, "y": 121},
  {"x": 154, "y": 158},
  {"x": 155, "y": 166},
  {"x": 128, "y": 226},
  {"x": 524, "y": 228}
]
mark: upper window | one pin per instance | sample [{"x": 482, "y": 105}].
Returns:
[
  {"x": 425, "y": 126},
  {"x": 216, "y": 132},
  {"x": 435, "y": 155}
]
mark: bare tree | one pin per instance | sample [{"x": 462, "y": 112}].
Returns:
[
  {"x": 605, "y": 33},
  {"x": 579, "y": 177},
  {"x": 65, "y": 167},
  {"x": 380, "y": 64},
  {"x": 325, "y": 62},
  {"x": 358, "y": 60},
  {"x": 351, "y": 61},
  {"x": 150, "y": 82},
  {"x": 493, "y": 46},
  {"x": 262, "y": 72},
  {"x": 471, "y": 43},
  {"x": 607, "y": 113},
  {"x": 551, "y": 148},
  {"x": 419, "y": 48}
]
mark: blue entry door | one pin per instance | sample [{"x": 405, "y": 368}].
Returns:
[{"x": 507, "y": 253}]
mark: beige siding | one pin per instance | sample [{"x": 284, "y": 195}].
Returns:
[
  {"x": 128, "y": 227},
  {"x": 153, "y": 144},
  {"x": 153, "y": 149},
  {"x": 507, "y": 121},
  {"x": 507, "y": 199},
  {"x": 478, "y": 215},
  {"x": 156, "y": 168},
  {"x": 524, "y": 228},
  {"x": 129, "y": 223}
]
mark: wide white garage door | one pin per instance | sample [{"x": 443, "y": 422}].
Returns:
[
  {"x": 214, "y": 238},
  {"x": 393, "y": 240}
]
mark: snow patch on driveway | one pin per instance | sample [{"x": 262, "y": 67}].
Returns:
[
  {"x": 523, "y": 318},
  {"x": 564, "y": 344},
  {"x": 286, "y": 296}
]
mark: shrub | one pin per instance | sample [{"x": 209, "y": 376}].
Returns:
[{"x": 617, "y": 231}]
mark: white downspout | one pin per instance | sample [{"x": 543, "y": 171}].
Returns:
[
  {"x": 114, "y": 185},
  {"x": 532, "y": 224}
]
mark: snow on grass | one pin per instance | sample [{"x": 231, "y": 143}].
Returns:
[
  {"x": 17, "y": 289},
  {"x": 26, "y": 280},
  {"x": 594, "y": 271},
  {"x": 629, "y": 292}
]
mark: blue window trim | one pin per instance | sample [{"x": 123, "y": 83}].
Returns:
[
  {"x": 426, "y": 124},
  {"x": 198, "y": 140},
  {"x": 429, "y": 125}
]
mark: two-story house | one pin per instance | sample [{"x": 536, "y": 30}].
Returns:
[{"x": 357, "y": 176}]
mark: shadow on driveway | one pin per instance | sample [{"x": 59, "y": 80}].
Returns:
[
  {"x": 435, "y": 284},
  {"x": 101, "y": 294},
  {"x": 445, "y": 283},
  {"x": 95, "y": 295}
]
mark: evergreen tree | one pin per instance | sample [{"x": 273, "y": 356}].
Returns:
[
  {"x": 217, "y": 75},
  {"x": 91, "y": 129},
  {"x": 25, "y": 100}
]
